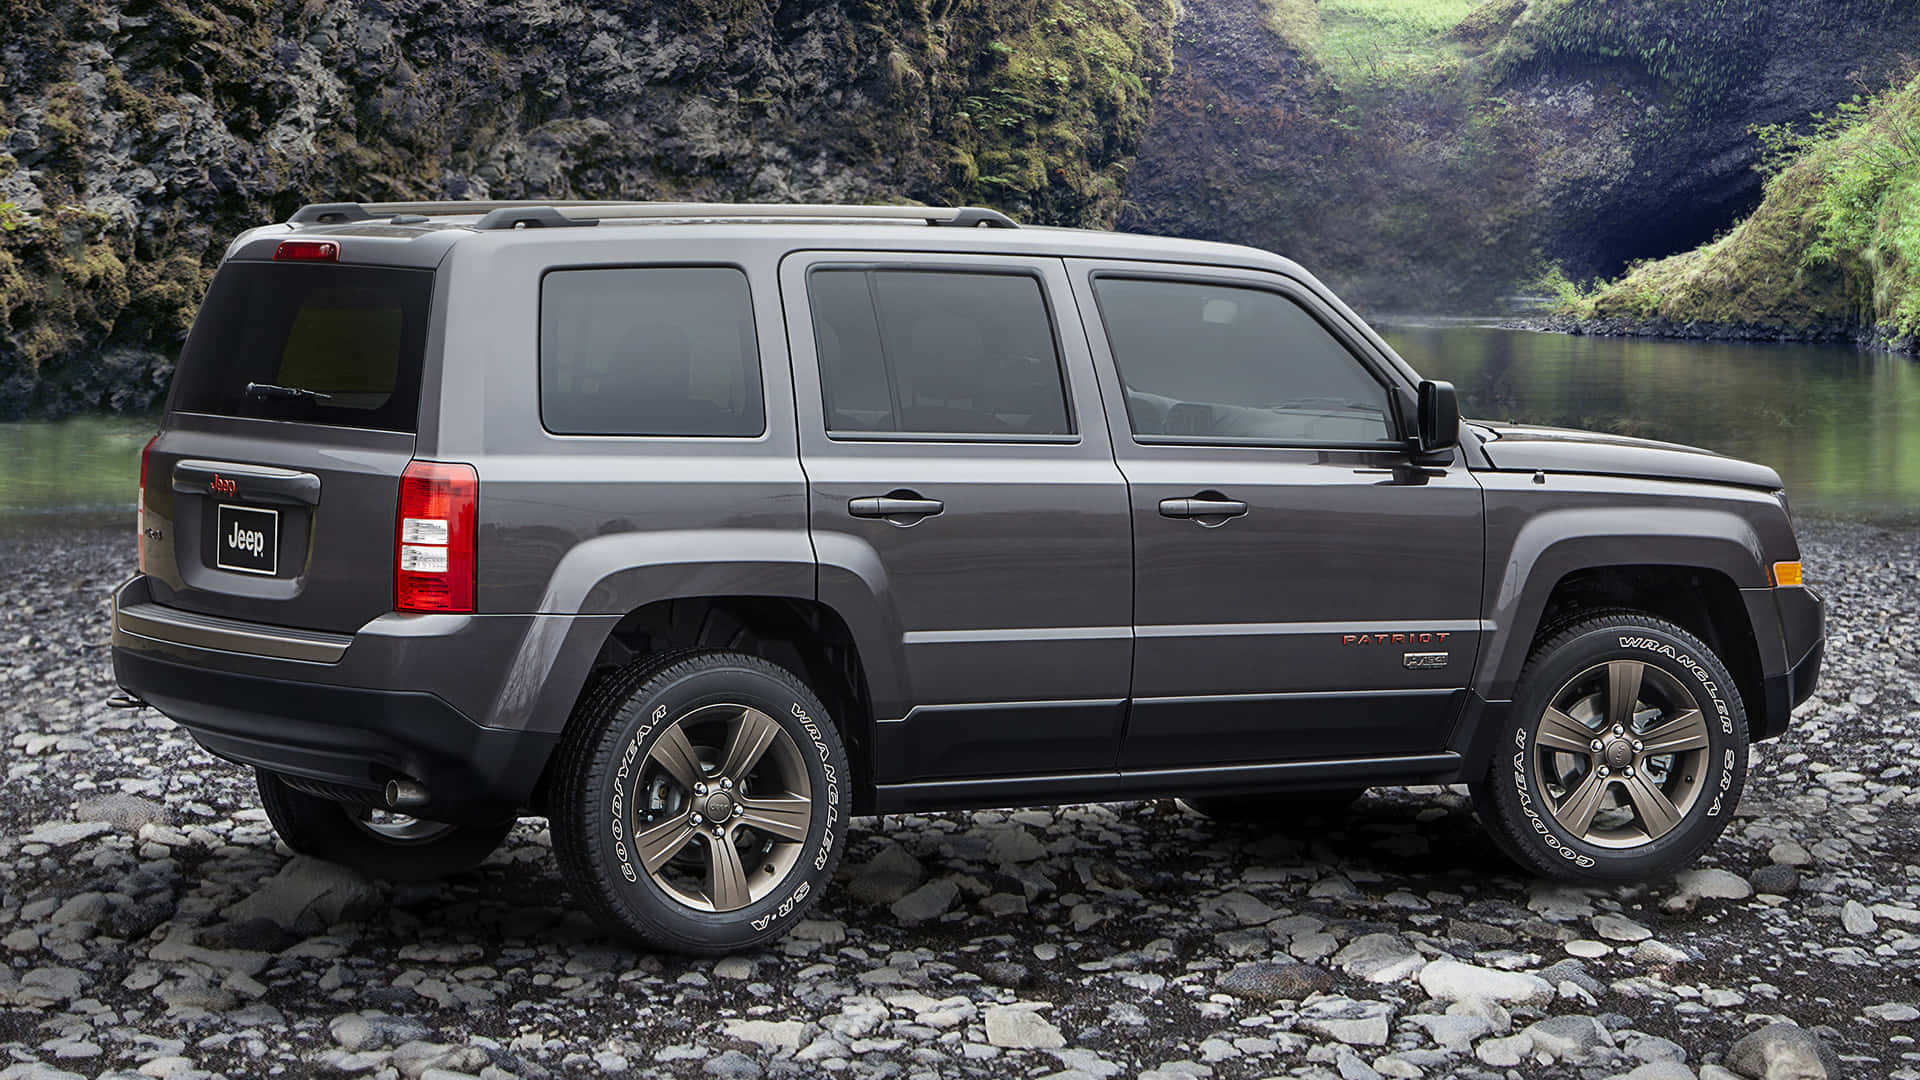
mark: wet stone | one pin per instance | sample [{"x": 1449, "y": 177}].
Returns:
[{"x": 1276, "y": 981}]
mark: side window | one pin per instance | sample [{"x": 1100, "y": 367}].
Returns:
[
  {"x": 649, "y": 351},
  {"x": 937, "y": 353},
  {"x": 1201, "y": 360}
]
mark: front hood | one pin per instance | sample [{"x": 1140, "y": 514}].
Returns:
[{"x": 1519, "y": 448}]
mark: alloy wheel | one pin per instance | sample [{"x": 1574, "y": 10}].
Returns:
[
  {"x": 1620, "y": 754},
  {"x": 721, "y": 808}
]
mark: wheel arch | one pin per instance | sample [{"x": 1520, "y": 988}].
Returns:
[
  {"x": 1699, "y": 569},
  {"x": 801, "y": 634}
]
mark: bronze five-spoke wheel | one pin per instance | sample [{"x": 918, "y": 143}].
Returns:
[
  {"x": 1623, "y": 755},
  {"x": 1620, "y": 752},
  {"x": 699, "y": 803},
  {"x": 723, "y": 807}
]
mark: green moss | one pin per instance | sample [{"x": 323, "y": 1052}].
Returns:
[
  {"x": 1834, "y": 244},
  {"x": 1696, "y": 49},
  {"x": 1054, "y": 101}
]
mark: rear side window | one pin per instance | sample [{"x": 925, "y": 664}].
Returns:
[
  {"x": 1208, "y": 362},
  {"x": 937, "y": 353},
  {"x": 663, "y": 350},
  {"x": 331, "y": 344}
]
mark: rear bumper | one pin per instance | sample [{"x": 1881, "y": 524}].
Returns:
[
  {"x": 347, "y": 738},
  {"x": 399, "y": 700}
]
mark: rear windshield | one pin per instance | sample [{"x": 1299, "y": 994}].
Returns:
[{"x": 332, "y": 344}]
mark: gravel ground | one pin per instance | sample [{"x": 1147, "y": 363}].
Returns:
[{"x": 150, "y": 924}]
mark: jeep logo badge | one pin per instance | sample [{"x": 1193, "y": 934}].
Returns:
[{"x": 223, "y": 487}]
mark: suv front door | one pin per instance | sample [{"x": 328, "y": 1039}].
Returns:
[
  {"x": 1302, "y": 591},
  {"x": 964, "y": 499}
]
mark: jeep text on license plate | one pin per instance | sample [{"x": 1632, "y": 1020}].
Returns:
[{"x": 247, "y": 539}]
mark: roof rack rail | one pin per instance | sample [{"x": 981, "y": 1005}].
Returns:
[
  {"x": 329, "y": 213},
  {"x": 550, "y": 213}
]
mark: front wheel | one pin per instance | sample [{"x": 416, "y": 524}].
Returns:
[
  {"x": 699, "y": 806},
  {"x": 376, "y": 843},
  {"x": 1623, "y": 757}
]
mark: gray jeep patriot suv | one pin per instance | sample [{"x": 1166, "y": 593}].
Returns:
[{"x": 699, "y": 529}]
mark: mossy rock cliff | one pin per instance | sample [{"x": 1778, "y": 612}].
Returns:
[{"x": 137, "y": 136}]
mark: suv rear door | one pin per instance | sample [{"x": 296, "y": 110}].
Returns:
[
  {"x": 1301, "y": 590},
  {"x": 276, "y": 504},
  {"x": 961, "y": 484}
]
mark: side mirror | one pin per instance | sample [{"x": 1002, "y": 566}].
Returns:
[{"x": 1438, "y": 423}]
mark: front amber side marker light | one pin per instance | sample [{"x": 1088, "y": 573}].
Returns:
[{"x": 1786, "y": 573}]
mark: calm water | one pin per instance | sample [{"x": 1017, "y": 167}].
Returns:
[{"x": 1841, "y": 425}]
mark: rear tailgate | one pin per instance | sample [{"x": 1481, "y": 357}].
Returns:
[{"x": 271, "y": 491}]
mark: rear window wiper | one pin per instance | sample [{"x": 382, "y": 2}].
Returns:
[{"x": 273, "y": 390}]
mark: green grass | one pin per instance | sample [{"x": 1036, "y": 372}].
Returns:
[
  {"x": 1835, "y": 242},
  {"x": 1372, "y": 39}
]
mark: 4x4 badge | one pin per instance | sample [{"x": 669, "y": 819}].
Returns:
[{"x": 1424, "y": 661}]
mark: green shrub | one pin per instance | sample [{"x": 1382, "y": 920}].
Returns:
[{"x": 1835, "y": 242}]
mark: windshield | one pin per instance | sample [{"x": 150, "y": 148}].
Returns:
[{"x": 326, "y": 344}]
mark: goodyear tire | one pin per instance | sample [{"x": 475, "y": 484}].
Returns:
[
  {"x": 700, "y": 803},
  {"x": 1624, "y": 755},
  {"x": 380, "y": 845}
]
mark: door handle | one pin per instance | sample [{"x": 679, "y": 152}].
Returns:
[
  {"x": 1207, "y": 504},
  {"x": 901, "y": 508}
]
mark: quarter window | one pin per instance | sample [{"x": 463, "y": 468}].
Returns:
[
  {"x": 649, "y": 351},
  {"x": 937, "y": 353},
  {"x": 1204, "y": 361}
]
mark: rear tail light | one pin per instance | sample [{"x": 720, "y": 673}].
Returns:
[
  {"x": 433, "y": 564},
  {"x": 140, "y": 515}
]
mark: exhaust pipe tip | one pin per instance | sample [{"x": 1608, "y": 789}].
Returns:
[
  {"x": 123, "y": 700},
  {"x": 406, "y": 795}
]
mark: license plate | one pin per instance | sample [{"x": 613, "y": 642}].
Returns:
[{"x": 247, "y": 540}]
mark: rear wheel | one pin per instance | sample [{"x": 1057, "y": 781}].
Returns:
[
  {"x": 1267, "y": 809},
  {"x": 1624, "y": 755},
  {"x": 699, "y": 802},
  {"x": 371, "y": 840}
]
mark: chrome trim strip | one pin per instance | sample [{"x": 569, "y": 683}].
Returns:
[
  {"x": 1451, "y": 626},
  {"x": 1037, "y": 633},
  {"x": 1295, "y": 695},
  {"x": 980, "y": 706},
  {"x": 171, "y": 626}
]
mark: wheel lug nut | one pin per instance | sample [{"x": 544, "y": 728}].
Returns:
[
  {"x": 1598, "y": 746},
  {"x": 1604, "y": 771},
  {"x": 739, "y": 810},
  {"x": 726, "y": 784},
  {"x": 1629, "y": 772},
  {"x": 718, "y": 831},
  {"x": 1618, "y": 730},
  {"x": 697, "y": 819},
  {"x": 699, "y": 789},
  {"x": 1636, "y": 745}
]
